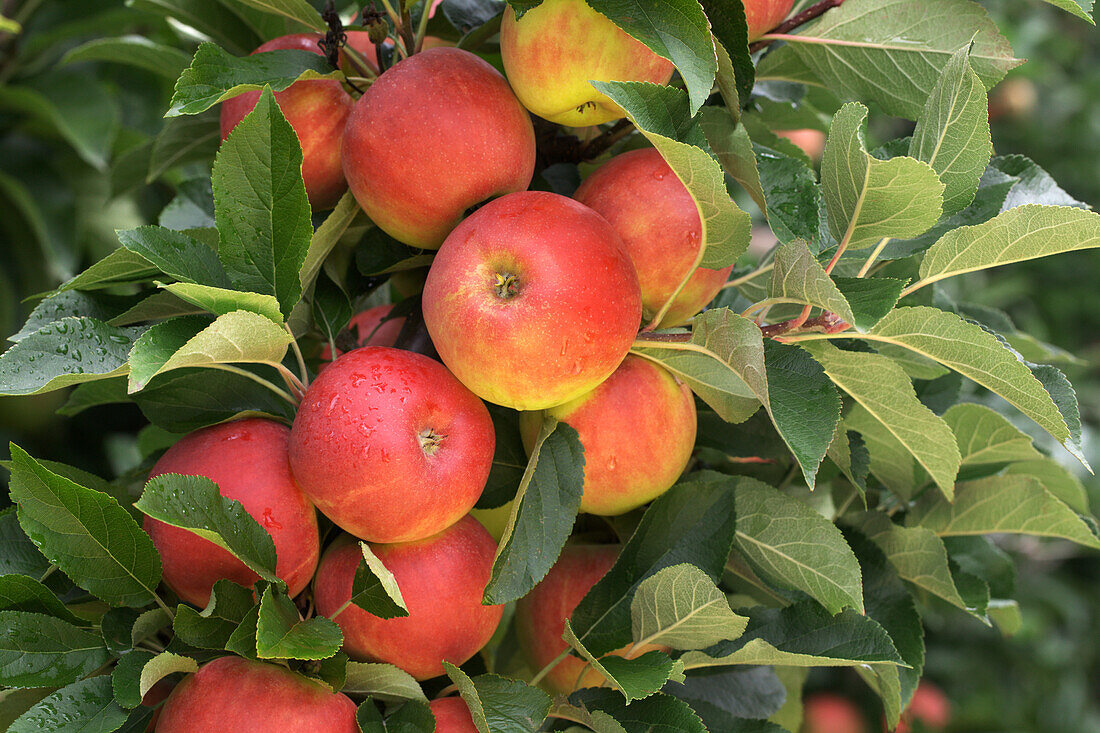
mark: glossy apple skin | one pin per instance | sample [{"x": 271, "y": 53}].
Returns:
[
  {"x": 371, "y": 328},
  {"x": 541, "y": 614},
  {"x": 234, "y": 694},
  {"x": 552, "y": 53},
  {"x": 441, "y": 578},
  {"x": 452, "y": 716},
  {"x": 564, "y": 323},
  {"x": 763, "y": 15},
  {"x": 435, "y": 135},
  {"x": 825, "y": 712},
  {"x": 248, "y": 460},
  {"x": 318, "y": 110},
  {"x": 659, "y": 224},
  {"x": 390, "y": 446},
  {"x": 638, "y": 431}
]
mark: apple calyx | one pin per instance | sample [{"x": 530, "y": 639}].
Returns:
[
  {"x": 506, "y": 285},
  {"x": 429, "y": 440}
]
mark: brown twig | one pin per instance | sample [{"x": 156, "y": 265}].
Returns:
[
  {"x": 814, "y": 11},
  {"x": 825, "y": 323}
]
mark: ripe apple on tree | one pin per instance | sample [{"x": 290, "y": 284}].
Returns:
[
  {"x": 532, "y": 301},
  {"x": 452, "y": 716},
  {"x": 827, "y": 712},
  {"x": 248, "y": 460},
  {"x": 441, "y": 579}
]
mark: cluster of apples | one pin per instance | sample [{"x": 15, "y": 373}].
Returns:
[{"x": 532, "y": 303}]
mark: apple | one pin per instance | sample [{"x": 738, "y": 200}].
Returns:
[
  {"x": 452, "y": 716},
  {"x": 433, "y": 136},
  {"x": 812, "y": 142},
  {"x": 248, "y": 461},
  {"x": 157, "y": 694},
  {"x": 441, "y": 579},
  {"x": 371, "y": 328},
  {"x": 552, "y": 53},
  {"x": 763, "y": 15},
  {"x": 659, "y": 224},
  {"x": 318, "y": 110},
  {"x": 390, "y": 446},
  {"x": 929, "y": 706},
  {"x": 638, "y": 431},
  {"x": 825, "y": 712},
  {"x": 541, "y": 614},
  {"x": 531, "y": 301},
  {"x": 234, "y": 694}
]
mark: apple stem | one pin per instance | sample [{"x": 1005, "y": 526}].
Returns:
[
  {"x": 546, "y": 670},
  {"x": 811, "y": 13}
]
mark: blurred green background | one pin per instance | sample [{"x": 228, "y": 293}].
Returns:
[{"x": 83, "y": 153}]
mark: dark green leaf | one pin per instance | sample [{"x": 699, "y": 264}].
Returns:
[
  {"x": 871, "y": 298},
  {"x": 83, "y": 707},
  {"x": 374, "y": 589},
  {"x": 43, "y": 651},
  {"x": 282, "y": 634},
  {"x": 498, "y": 704},
  {"x": 176, "y": 254},
  {"x": 722, "y": 695},
  {"x": 212, "y": 627},
  {"x": 658, "y": 713},
  {"x": 509, "y": 460},
  {"x": 188, "y": 399},
  {"x": 20, "y": 593}
]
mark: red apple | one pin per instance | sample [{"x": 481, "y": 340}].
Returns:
[
  {"x": 638, "y": 431},
  {"x": 929, "y": 706},
  {"x": 436, "y": 134},
  {"x": 532, "y": 301},
  {"x": 234, "y": 694},
  {"x": 763, "y": 15},
  {"x": 541, "y": 614},
  {"x": 812, "y": 142},
  {"x": 390, "y": 446},
  {"x": 552, "y": 53},
  {"x": 248, "y": 461},
  {"x": 825, "y": 712},
  {"x": 452, "y": 716},
  {"x": 157, "y": 694},
  {"x": 371, "y": 328},
  {"x": 441, "y": 578},
  {"x": 659, "y": 224},
  {"x": 317, "y": 109}
]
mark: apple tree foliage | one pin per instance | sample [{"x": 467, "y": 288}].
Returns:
[{"x": 858, "y": 428}]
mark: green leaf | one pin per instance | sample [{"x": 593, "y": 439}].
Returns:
[
  {"x": 380, "y": 254},
  {"x": 261, "y": 206},
  {"x": 542, "y": 517},
  {"x": 282, "y": 634},
  {"x": 883, "y": 390},
  {"x": 690, "y": 523},
  {"x": 635, "y": 678},
  {"x": 189, "y": 341},
  {"x": 1081, "y": 8},
  {"x": 138, "y": 670},
  {"x": 977, "y": 354},
  {"x": 85, "y": 533},
  {"x": 7, "y": 25},
  {"x": 43, "y": 651},
  {"x": 731, "y": 33},
  {"x": 298, "y": 11},
  {"x": 184, "y": 140},
  {"x": 176, "y": 254},
  {"x": 659, "y": 713},
  {"x": 681, "y": 607},
  {"x": 797, "y": 277},
  {"x": 194, "y": 503},
  {"x": 132, "y": 50},
  {"x": 327, "y": 236},
  {"x": 893, "y": 52},
  {"x": 802, "y": 635},
  {"x": 1056, "y": 479},
  {"x": 1015, "y": 504},
  {"x": 869, "y": 199},
  {"x": 211, "y": 627},
  {"x": 725, "y": 698},
  {"x": 87, "y": 706},
  {"x": 952, "y": 133},
  {"x": 985, "y": 436},
  {"x": 498, "y": 704},
  {"x": 188, "y": 399},
  {"x": 73, "y": 303},
  {"x": 64, "y": 353},
  {"x": 18, "y": 554},
  {"x": 243, "y": 639},
  {"x": 674, "y": 29},
  {"x": 1019, "y": 234},
  {"x": 21, "y": 593},
  {"x": 788, "y": 543},
  {"x": 215, "y": 76},
  {"x": 213, "y": 18},
  {"x": 870, "y": 298},
  {"x": 662, "y": 114},
  {"x": 596, "y": 720},
  {"x": 119, "y": 267},
  {"x": 410, "y": 717},
  {"x": 382, "y": 681},
  {"x": 221, "y": 302},
  {"x": 509, "y": 459},
  {"x": 374, "y": 589}
]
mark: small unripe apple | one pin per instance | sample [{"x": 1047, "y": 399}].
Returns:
[
  {"x": 452, "y": 716},
  {"x": 638, "y": 431},
  {"x": 390, "y": 446},
  {"x": 763, "y": 15},
  {"x": 371, "y": 327},
  {"x": 318, "y": 110},
  {"x": 552, "y": 53},
  {"x": 541, "y": 614},
  {"x": 825, "y": 712},
  {"x": 238, "y": 695},
  {"x": 435, "y": 135},
  {"x": 532, "y": 301},
  {"x": 441, "y": 578},
  {"x": 248, "y": 459},
  {"x": 659, "y": 224}
]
